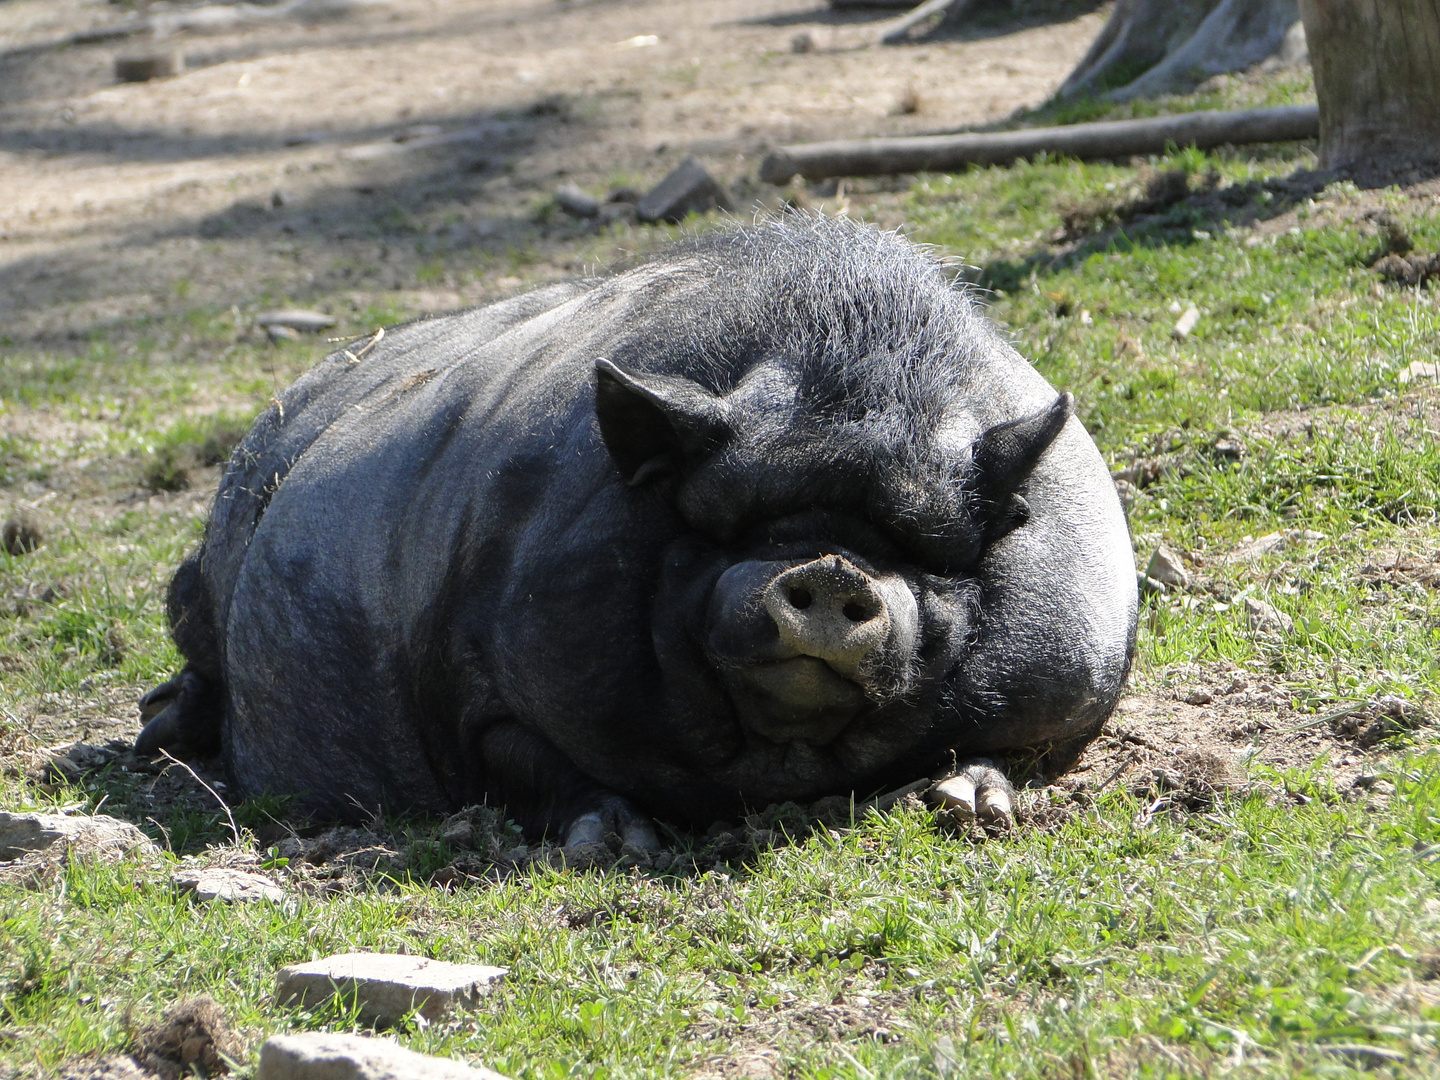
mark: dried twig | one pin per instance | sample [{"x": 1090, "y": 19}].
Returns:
[{"x": 223, "y": 804}]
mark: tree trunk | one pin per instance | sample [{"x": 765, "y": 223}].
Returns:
[
  {"x": 1137, "y": 36},
  {"x": 1152, "y": 47},
  {"x": 1377, "y": 78},
  {"x": 1235, "y": 35}
]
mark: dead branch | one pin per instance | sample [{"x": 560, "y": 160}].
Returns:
[{"x": 1107, "y": 139}]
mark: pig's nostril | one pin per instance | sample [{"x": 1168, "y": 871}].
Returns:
[
  {"x": 858, "y": 612},
  {"x": 800, "y": 598}
]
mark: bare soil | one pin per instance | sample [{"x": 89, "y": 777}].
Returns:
[{"x": 289, "y": 150}]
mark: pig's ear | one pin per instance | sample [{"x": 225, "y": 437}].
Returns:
[
  {"x": 1006, "y": 453},
  {"x": 655, "y": 425}
]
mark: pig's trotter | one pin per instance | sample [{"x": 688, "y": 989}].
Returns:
[
  {"x": 978, "y": 789},
  {"x": 153, "y": 703},
  {"x": 180, "y": 712},
  {"x": 614, "y": 816}
]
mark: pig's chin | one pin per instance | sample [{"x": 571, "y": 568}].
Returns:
[{"x": 799, "y": 699}]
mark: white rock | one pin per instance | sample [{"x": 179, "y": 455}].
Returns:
[
  {"x": 326, "y": 1056},
  {"x": 387, "y": 986},
  {"x": 1186, "y": 323},
  {"x": 21, "y": 834},
  {"x": 1167, "y": 568},
  {"x": 224, "y": 883}
]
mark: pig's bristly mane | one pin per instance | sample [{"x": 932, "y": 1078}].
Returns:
[{"x": 870, "y": 326}]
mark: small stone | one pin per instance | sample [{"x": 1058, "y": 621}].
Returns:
[
  {"x": 327, "y": 1056},
  {"x": 142, "y": 67},
  {"x": 311, "y": 322},
  {"x": 688, "y": 189},
  {"x": 575, "y": 202},
  {"x": 1265, "y": 618},
  {"x": 1419, "y": 369},
  {"x": 387, "y": 986},
  {"x": 1228, "y": 447},
  {"x": 458, "y": 831},
  {"x": 1186, "y": 323},
  {"x": 1167, "y": 568},
  {"x": 226, "y": 884},
  {"x": 1199, "y": 697},
  {"x": 21, "y": 834},
  {"x": 803, "y": 42}
]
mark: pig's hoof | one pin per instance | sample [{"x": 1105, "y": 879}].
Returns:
[
  {"x": 614, "y": 818},
  {"x": 153, "y": 703},
  {"x": 161, "y": 733},
  {"x": 979, "y": 790},
  {"x": 180, "y": 712}
]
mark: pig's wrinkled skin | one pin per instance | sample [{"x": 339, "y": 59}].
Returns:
[{"x": 774, "y": 516}]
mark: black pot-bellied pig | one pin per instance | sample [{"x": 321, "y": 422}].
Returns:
[{"x": 773, "y": 516}]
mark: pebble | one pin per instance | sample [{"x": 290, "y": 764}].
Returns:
[
  {"x": 387, "y": 986},
  {"x": 323, "y": 1055},
  {"x": 1186, "y": 323},
  {"x": 1263, "y": 617}
]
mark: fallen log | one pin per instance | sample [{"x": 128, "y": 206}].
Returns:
[{"x": 1106, "y": 139}]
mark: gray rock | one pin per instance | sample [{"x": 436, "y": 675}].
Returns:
[
  {"x": 387, "y": 986},
  {"x": 575, "y": 202},
  {"x": 326, "y": 1056},
  {"x": 227, "y": 884},
  {"x": 1167, "y": 568},
  {"x": 291, "y": 319},
  {"x": 688, "y": 189},
  {"x": 1264, "y": 618},
  {"x": 142, "y": 67},
  {"x": 22, "y": 834}
]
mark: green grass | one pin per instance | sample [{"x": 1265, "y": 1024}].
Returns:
[
  {"x": 1280, "y": 929},
  {"x": 1112, "y": 946}
]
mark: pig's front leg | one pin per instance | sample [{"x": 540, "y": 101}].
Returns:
[{"x": 977, "y": 789}]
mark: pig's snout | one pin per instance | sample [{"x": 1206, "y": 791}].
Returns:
[
  {"x": 804, "y": 647},
  {"x": 829, "y": 609}
]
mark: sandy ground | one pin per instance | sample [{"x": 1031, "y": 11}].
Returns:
[{"x": 100, "y": 176}]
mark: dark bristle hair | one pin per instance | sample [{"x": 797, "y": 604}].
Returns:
[{"x": 869, "y": 324}]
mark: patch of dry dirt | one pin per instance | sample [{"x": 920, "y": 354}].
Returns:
[{"x": 286, "y": 138}]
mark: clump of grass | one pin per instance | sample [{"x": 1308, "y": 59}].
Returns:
[{"x": 189, "y": 446}]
